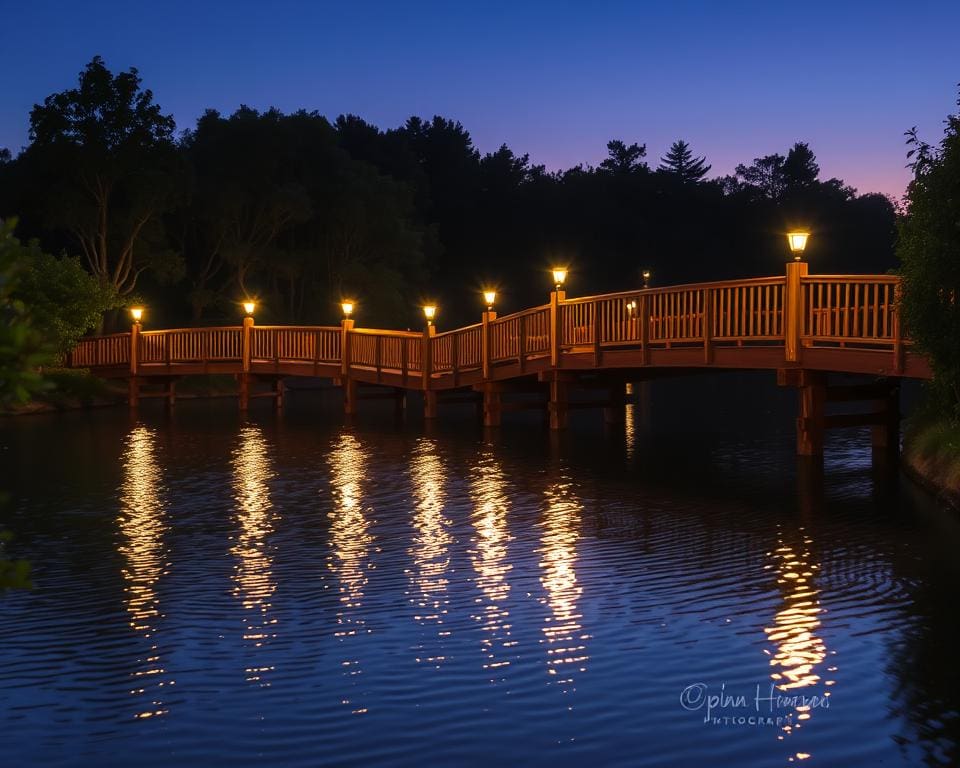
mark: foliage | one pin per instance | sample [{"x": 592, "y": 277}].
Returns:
[
  {"x": 22, "y": 348},
  {"x": 929, "y": 251},
  {"x": 65, "y": 301}
]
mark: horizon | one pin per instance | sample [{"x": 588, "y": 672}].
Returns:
[{"x": 554, "y": 86}]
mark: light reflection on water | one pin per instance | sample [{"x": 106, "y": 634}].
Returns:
[
  {"x": 350, "y": 543},
  {"x": 429, "y": 552},
  {"x": 143, "y": 525},
  {"x": 563, "y": 633},
  {"x": 253, "y": 573},
  {"x": 490, "y": 557}
]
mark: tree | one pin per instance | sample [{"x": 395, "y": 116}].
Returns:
[
  {"x": 623, "y": 159},
  {"x": 680, "y": 162},
  {"x": 101, "y": 165},
  {"x": 929, "y": 251},
  {"x": 764, "y": 178},
  {"x": 800, "y": 169},
  {"x": 64, "y": 300}
]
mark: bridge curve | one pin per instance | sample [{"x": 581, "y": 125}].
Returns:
[{"x": 803, "y": 326}]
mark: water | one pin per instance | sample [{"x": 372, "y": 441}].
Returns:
[{"x": 290, "y": 591}]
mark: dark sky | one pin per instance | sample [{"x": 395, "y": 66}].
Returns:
[{"x": 557, "y": 80}]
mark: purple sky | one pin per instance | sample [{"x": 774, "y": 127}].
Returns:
[{"x": 556, "y": 80}]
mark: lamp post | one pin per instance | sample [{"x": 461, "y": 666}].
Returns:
[
  {"x": 646, "y": 278},
  {"x": 798, "y": 243},
  {"x": 347, "y": 306},
  {"x": 489, "y": 297},
  {"x": 249, "y": 307},
  {"x": 137, "y": 314},
  {"x": 429, "y": 312}
]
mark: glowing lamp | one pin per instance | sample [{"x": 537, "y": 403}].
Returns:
[
  {"x": 429, "y": 312},
  {"x": 347, "y": 307},
  {"x": 489, "y": 297},
  {"x": 646, "y": 278},
  {"x": 798, "y": 243},
  {"x": 249, "y": 307},
  {"x": 559, "y": 276},
  {"x": 136, "y": 313}
]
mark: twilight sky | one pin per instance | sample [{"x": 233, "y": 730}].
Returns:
[{"x": 554, "y": 79}]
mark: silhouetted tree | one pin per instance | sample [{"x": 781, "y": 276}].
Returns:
[
  {"x": 624, "y": 159},
  {"x": 800, "y": 169},
  {"x": 680, "y": 162},
  {"x": 764, "y": 178},
  {"x": 100, "y": 165}
]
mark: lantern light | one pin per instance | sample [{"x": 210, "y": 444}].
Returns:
[
  {"x": 429, "y": 312},
  {"x": 249, "y": 307},
  {"x": 489, "y": 297},
  {"x": 136, "y": 313},
  {"x": 798, "y": 243},
  {"x": 347, "y": 306},
  {"x": 559, "y": 276},
  {"x": 646, "y": 278}
]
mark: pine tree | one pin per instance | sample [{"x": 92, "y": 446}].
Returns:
[{"x": 680, "y": 161}]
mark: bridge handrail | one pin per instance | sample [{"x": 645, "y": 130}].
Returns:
[{"x": 775, "y": 280}]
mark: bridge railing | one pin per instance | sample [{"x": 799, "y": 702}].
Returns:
[
  {"x": 795, "y": 311},
  {"x": 310, "y": 344},
  {"x": 851, "y": 310}
]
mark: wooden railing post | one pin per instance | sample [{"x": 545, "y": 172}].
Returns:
[
  {"x": 133, "y": 384},
  {"x": 556, "y": 332},
  {"x": 246, "y": 340},
  {"x": 793, "y": 310},
  {"x": 897, "y": 329},
  {"x": 706, "y": 325},
  {"x": 429, "y": 396},
  {"x": 348, "y": 384},
  {"x": 643, "y": 310},
  {"x": 485, "y": 320}
]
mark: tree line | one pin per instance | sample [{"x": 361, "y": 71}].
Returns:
[{"x": 298, "y": 212}]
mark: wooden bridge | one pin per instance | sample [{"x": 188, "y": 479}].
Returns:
[{"x": 802, "y": 326}]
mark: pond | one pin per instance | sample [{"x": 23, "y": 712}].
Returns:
[{"x": 287, "y": 589}]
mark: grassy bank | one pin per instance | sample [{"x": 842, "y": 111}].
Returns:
[{"x": 931, "y": 452}]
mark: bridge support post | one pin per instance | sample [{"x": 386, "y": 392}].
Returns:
[
  {"x": 557, "y": 405},
  {"x": 487, "y": 317},
  {"x": 886, "y": 435},
  {"x": 278, "y": 392},
  {"x": 492, "y": 405},
  {"x": 615, "y": 412},
  {"x": 429, "y": 404},
  {"x": 811, "y": 419}
]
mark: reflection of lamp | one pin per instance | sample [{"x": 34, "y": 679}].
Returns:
[
  {"x": 559, "y": 276},
  {"x": 429, "y": 312},
  {"x": 136, "y": 313},
  {"x": 489, "y": 297},
  {"x": 249, "y": 307},
  {"x": 646, "y": 278},
  {"x": 631, "y": 307},
  {"x": 798, "y": 243},
  {"x": 347, "y": 307}
]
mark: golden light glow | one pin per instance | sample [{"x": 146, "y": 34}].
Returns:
[
  {"x": 491, "y": 505},
  {"x": 489, "y": 297},
  {"x": 798, "y": 242},
  {"x": 563, "y": 633},
  {"x": 647, "y": 274},
  {"x": 798, "y": 650},
  {"x": 136, "y": 313},
  {"x": 351, "y": 541},
  {"x": 249, "y": 307},
  {"x": 559, "y": 276},
  {"x": 430, "y": 549},
  {"x": 347, "y": 307},
  {"x": 254, "y": 583},
  {"x": 143, "y": 527},
  {"x": 429, "y": 312},
  {"x": 631, "y": 306}
]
